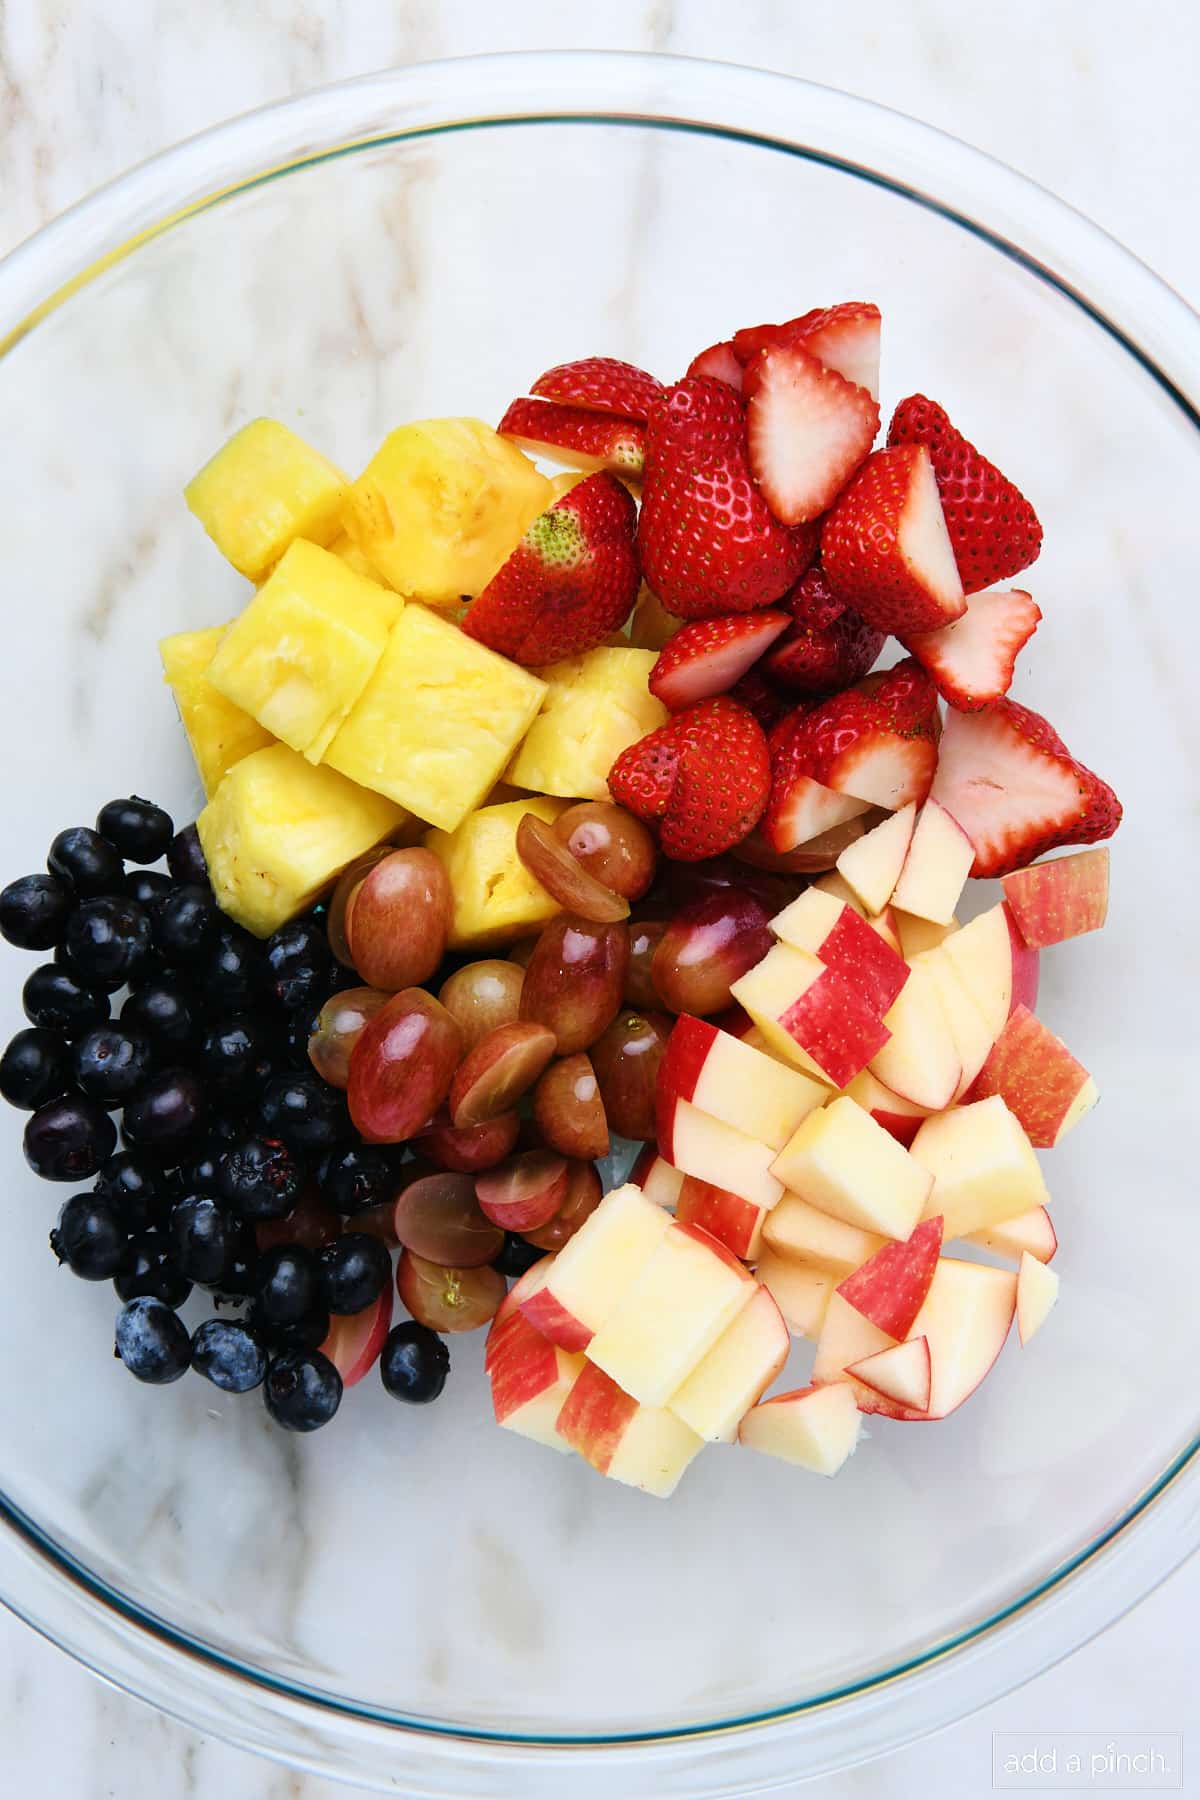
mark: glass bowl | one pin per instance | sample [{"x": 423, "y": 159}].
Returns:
[{"x": 421, "y": 1602}]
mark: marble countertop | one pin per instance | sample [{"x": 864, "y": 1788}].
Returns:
[{"x": 87, "y": 90}]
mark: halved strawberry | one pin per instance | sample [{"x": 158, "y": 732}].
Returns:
[
  {"x": 709, "y": 542},
  {"x": 993, "y": 529},
  {"x": 1016, "y": 790},
  {"x": 703, "y": 777},
  {"x": 571, "y": 580},
  {"x": 601, "y": 384},
  {"x": 843, "y": 337},
  {"x": 807, "y": 430},
  {"x": 572, "y": 435},
  {"x": 829, "y": 645},
  {"x": 973, "y": 658},
  {"x": 710, "y": 656},
  {"x": 799, "y": 807},
  {"x": 885, "y": 548},
  {"x": 720, "y": 363}
]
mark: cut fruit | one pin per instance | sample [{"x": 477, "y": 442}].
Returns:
[
  {"x": 356, "y": 1340},
  {"x": 936, "y": 868},
  {"x": 496, "y": 899},
  {"x": 801, "y": 1292},
  {"x": 509, "y": 1309},
  {"x": 658, "y": 1179},
  {"x": 885, "y": 548},
  {"x": 899, "y": 1117},
  {"x": 965, "y": 1319},
  {"x": 1055, "y": 901},
  {"x": 595, "y": 707},
  {"x": 845, "y": 1164},
  {"x": 585, "y": 1281},
  {"x": 738, "y": 1369},
  {"x": 602, "y": 383},
  {"x": 816, "y": 1428},
  {"x": 710, "y": 656},
  {"x": 1038, "y": 1079},
  {"x": 737, "y": 1224},
  {"x": 844, "y": 941},
  {"x": 531, "y": 1379},
  {"x": 810, "y": 1014},
  {"x": 263, "y": 489},
  {"x": 972, "y": 659},
  {"x": 920, "y": 1061},
  {"x": 1037, "y": 1292},
  {"x": 983, "y": 1167},
  {"x": 969, "y": 1029},
  {"x": 800, "y": 808},
  {"x": 995, "y": 965},
  {"x": 872, "y": 866},
  {"x": 847, "y": 1338},
  {"x": 712, "y": 1151},
  {"x": 807, "y": 430},
  {"x": 890, "y": 1289},
  {"x": 1030, "y": 1231},
  {"x": 917, "y": 935},
  {"x": 524, "y": 1193},
  {"x": 218, "y": 733},
  {"x": 583, "y": 439},
  {"x": 730, "y": 1080},
  {"x": 644, "y": 1447},
  {"x": 901, "y": 1373},
  {"x": 800, "y": 1230}
]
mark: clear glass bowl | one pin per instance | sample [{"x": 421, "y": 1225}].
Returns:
[{"x": 424, "y": 1602}]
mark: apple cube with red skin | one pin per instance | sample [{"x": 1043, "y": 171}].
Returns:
[
  {"x": 995, "y": 965},
  {"x": 845, "y": 1164},
  {"x": 645, "y": 1447},
  {"x": 982, "y": 1165},
  {"x": 804, "y": 1232},
  {"x": 902, "y": 1373},
  {"x": 810, "y": 1014},
  {"x": 846, "y": 1338},
  {"x": 1054, "y": 901},
  {"x": 891, "y": 1287},
  {"x": 1038, "y": 1079},
  {"x": 970, "y": 1032},
  {"x": 936, "y": 868},
  {"x": 531, "y": 1379},
  {"x": 509, "y": 1309},
  {"x": 899, "y": 1117},
  {"x": 1030, "y": 1231},
  {"x": 801, "y": 1292},
  {"x": 1037, "y": 1293},
  {"x": 734, "y": 1222},
  {"x": 816, "y": 1428},
  {"x": 736, "y": 1372},
  {"x": 730, "y": 1080},
  {"x": 917, "y": 935},
  {"x": 586, "y": 1280},
  {"x": 712, "y": 1151},
  {"x": 671, "y": 1315},
  {"x": 920, "y": 1061},
  {"x": 843, "y": 940},
  {"x": 872, "y": 865},
  {"x": 657, "y": 1178},
  {"x": 355, "y": 1342}
]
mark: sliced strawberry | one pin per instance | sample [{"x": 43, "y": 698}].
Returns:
[
  {"x": 703, "y": 777},
  {"x": 973, "y": 658},
  {"x": 758, "y": 697},
  {"x": 601, "y": 384},
  {"x": 710, "y": 656},
  {"x": 572, "y": 435},
  {"x": 800, "y": 807},
  {"x": 1016, "y": 790},
  {"x": 843, "y": 337},
  {"x": 709, "y": 543},
  {"x": 571, "y": 580},
  {"x": 720, "y": 364},
  {"x": 829, "y": 646},
  {"x": 807, "y": 430},
  {"x": 993, "y": 529},
  {"x": 885, "y": 548}
]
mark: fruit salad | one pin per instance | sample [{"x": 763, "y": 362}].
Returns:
[{"x": 625, "y": 818}]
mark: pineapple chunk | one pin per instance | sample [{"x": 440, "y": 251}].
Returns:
[
  {"x": 346, "y": 550},
  {"x": 265, "y": 487},
  {"x": 442, "y": 505},
  {"x": 597, "y": 706},
  {"x": 496, "y": 899},
  {"x": 304, "y": 649},
  {"x": 278, "y": 832},
  {"x": 219, "y": 732},
  {"x": 437, "y": 721}
]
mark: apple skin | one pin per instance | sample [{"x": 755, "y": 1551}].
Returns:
[
  {"x": 913, "y": 1386},
  {"x": 735, "y": 1223},
  {"x": 356, "y": 1340},
  {"x": 1054, "y": 901},
  {"x": 1026, "y": 966},
  {"x": 890, "y": 1288},
  {"x": 595, "y": 1416},
  {"x": 1040, "y": 1082}
]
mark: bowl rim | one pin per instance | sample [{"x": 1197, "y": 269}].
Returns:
[{"x": 43, "y": 1582}]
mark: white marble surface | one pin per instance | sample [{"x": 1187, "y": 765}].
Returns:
[{"x": 1103, "y": 115}]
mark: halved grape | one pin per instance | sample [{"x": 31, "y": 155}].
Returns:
[
  {"x": 613, "y": 847},
  {"x": 584, "y": 1194},
  {"x": 339, "y": 1026},
  {"x": 440, "y": 1218},
  {"x": 483, "y": 995},
  {"x": 470, "y": 1148},
  {"x": 626, "y": 1061},
  {"x": 524, "y": 1192},
  {"x": 501, "y": 1067},
  {"x": 564, "y": 878},
  {"x": 448, "y": 1299},
  {"x": 568, "y": 1109}
]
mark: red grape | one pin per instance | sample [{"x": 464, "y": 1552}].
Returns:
[
  {"x": 377, "y": 1221},
  {"x": 448, "y": 1299},
  {"x": 707, "y": 946},
  {"x": 626, "y": 1060},
  {"x": 397, "y": 918},
  {"x": 812, "y": 858},
  {"x": 471, "y": 1147},
  {"x": 310, "y": 1223},
  {"x": 564, "y": 879},
  {"x": 482, "y": 995},
  {"x": 645, "y": 935},
  {"x": 569, "y": 1111},
  {"x": 439, "y": 1218},
  {"x": 339, "y": 1024},
  {"x": 575, "y": 980},
  {"x": 347, "y": 881},
  {"x": 615, "y": 848},
  {"x": 524, "y": 1192},
  {"x": 584, "y": 1194},
  {"x": 402, "y": 1066},
  {"x": 521, "y": 954},
  {"x": 501, "y": 1067}
]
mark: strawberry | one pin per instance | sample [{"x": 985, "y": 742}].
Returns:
[
  {"x": 758, "y": 697},
  {"x": 1016, "y": 790},
  {"x": 885, "y": 549},
  {"x": 710, "y": 655},
  {"x": 703, "y": 777},
  {"x": 720, "y": 363},
  {"x": 829, "y": 646},
  {"x": 708, "y": 540},
  {"x": 807, "y": 430},
  {"x": 973, "y": 658},
  {"x": 799, "y": 808},
  {"x": 601, "y": 384},
  {"x": 576, "y": 437},
  {"x": 993, "y": 529},
  {"x": 844, "y": 337},
  {"x": 571, "y": 580}
]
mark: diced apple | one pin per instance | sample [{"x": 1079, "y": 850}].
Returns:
[
  {"x": 872, "y": 865},
  {"x": 734, "y": 1222},
  {"x": 844, "y": 941},
  {"x": 936, "y": 868},
  {"x": 738, "y": 1369},
  {"x": 1030, "y": 1231},
  {"x": 801, "y": 1292},
  {"x": 969, "y": 1029},
  {"x": 509, "y": 1308},
  {"x": 1054, "y": 901},
  {"x": 645, "y": 1447},
  {"x": 671, "y": 1314},
  {"x": 811, "y": 1014},
  {"x": 899, "y": 1117},
  {"x": 797, "y": 1229},
  {"x": 847, "y": 1338},
  {"x": 901, "y": 1373},
  {"x": 586, "y": 1280},
  {"x": 730, "y": 1080},
  {"x": 995, "y": 964},
  {"x": 846, "y": 1164},
  {"x": 885, "y": 923},
  {"x": 920, "y": 1061},
  {"x": 983, "y": 1167},
  {"x": 657, "y": 1178},
  {"x": 917, "y": 935},
  {"x": 816, "y": 1428},
  {"x": 966, "y": 1319},
  {"x": 531, "y": 1379},
  {"x": 1037, "y": 1078},
  {"x": 700, "y": 1145},
  {"x": 832, "y": 882},
  {"x": 1037, "y": 1292},
  {"x": 890, "y": 1289}
]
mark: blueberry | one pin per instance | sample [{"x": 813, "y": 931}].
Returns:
[
  {"x": 185, "y": 924},
  {"x": 235, "y": 1055},
  {"x": 231, "y": 973},
  {"x": 516, "y": 1256},
  {"x": 141, "y": 831},
  {"x": 289, "y": 1285},
  {"x": 354, "y": 1271},
  {"x": 34, "y": 911},
  {"x": 163, "y": 1009},
  {"x": 260, "y": 1178},
  {"x": 147, "y": 886},
  {"x": 240, "y": 1280},
  {"x": 362, "y": 1175},
  {"x": 230, "y": 1354},
  {"x": 68, "y": 1139},
  {"x": 86, "y": 862},
  {"x": 54, "y": 999},
  {"x": 414, "y": 1363},
  {"x": 168, "y": 1113},
  {"x": 35, "y": 1067},
  {"x": 305, "y": 1112},
  {"x": 148, "y": 1271},
  {"x": 113, "y": 1063},
  {"x": 108, "y": 941},
  {"x": 298, "y": 963},
  {"x": 303, "y": 1390},
  {"x": 308, "y": 1333},
  {"x": 137, "y": 1186},
  {"x": 89, "y": 1237},
  {"x": 203, "y": 1236},
  {"x": 185, "y": 857},
  {"x": 152, "y": 1341}
]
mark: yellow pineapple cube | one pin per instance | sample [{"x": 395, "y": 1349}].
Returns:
[
  {"x": 304, "y": 649},
  {"x": 597, "y": 705},
  {"x": 437, "y": 721},
  {"x": 346, "y": 550},
  {"x": 265, "y": 487},
  {"x": 441, "y": 505},
  {"x": 279, "y": 831},
  {"x": 219, "y": 732},
  {"x": 496, "y": 899}
]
